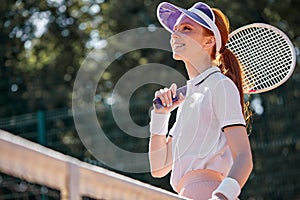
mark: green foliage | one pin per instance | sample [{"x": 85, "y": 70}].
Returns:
[{"x": 43, "y": 44}]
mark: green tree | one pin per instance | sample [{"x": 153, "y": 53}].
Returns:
[{"x": 43, "y": 44}]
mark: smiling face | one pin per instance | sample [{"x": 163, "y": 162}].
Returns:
[{"x": 189, "y": 41}]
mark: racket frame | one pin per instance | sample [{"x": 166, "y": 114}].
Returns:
[{"x": 288, "y": 41}]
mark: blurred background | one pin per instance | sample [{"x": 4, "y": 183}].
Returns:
[{"x": 43, "y": 43}]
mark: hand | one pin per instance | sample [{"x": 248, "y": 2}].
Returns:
[{"x": 165, "y": 95}]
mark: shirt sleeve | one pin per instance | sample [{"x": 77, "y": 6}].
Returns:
[{"x": 226, "y": 104}]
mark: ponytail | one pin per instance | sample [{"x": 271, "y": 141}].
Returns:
[
  {"x": 230, "y": 67},
  {"x": 228, "y": 63}
]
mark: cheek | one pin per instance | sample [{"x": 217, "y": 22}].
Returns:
[
  {"x": 194, "y": 41},
  {"x": 194, "y": 47}
]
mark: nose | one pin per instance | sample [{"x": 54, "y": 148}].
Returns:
[{"x": 175, "y": 34}]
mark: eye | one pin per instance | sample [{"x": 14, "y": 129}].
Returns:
[
  {"x": 183, "y": 27},
  {"x": 186, "y": 27}
]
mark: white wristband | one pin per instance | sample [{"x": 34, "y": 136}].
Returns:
[
  {"x": 159, "y": 123},
  {"x": 230, "y": 188}
]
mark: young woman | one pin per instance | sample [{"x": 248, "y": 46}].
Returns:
[{"x": 207, "y": 149}]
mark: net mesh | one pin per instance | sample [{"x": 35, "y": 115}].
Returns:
[{"x": 265, "y": 56}]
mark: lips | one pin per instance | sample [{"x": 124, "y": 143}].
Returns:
[{"x": 177, "y": 45}]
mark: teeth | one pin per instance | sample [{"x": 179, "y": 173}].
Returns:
[{"x": 178, "y": 45}]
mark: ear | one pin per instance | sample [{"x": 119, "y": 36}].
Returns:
[{"x": 209, "y": 42}]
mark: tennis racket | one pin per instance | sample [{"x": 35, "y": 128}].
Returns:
[{"x": 266, "y": 55}]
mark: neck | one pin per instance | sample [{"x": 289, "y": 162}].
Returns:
[{"x": 194, "y": 70}]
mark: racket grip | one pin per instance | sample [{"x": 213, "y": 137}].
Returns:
[{"x": 158, "y": 104}]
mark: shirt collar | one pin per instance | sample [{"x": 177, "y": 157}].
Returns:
[{"x": 202, "y": 76}]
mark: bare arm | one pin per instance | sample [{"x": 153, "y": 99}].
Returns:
[
  {"x": 160, "y": 155},
  {"x": 160, "y": 148},
  {"x": 238, "y": 142}
]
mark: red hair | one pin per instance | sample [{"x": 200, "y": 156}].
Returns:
[{"x": 228, "y": 63}]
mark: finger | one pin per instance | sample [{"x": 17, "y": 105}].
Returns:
[
  {"x": 159, "y": 95},
  {"x": 181, "y": 97},
  {"x": 168, "y": 97},
  {"x": 179, "y": 101},
  {"x": 173, "y": 90}
]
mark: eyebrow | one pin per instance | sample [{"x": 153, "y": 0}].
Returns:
[{"x": 183, "y": 24}]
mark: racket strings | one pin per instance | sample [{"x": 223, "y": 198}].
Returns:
[
  {"x": 264, "y": 56},
  {"x": 266, "y": 76}
]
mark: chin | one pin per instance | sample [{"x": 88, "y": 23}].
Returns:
[{"x": 176, "y": 56}]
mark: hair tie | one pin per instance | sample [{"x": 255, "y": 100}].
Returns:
[{"x": 222, "y": 49}]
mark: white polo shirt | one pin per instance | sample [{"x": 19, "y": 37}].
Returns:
[{"x": 212, "y": 102}]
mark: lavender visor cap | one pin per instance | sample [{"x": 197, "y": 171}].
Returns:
[{"x": 201, "y": 13}]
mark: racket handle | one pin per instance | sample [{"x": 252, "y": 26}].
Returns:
[{"x": 158, "y": 104}]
